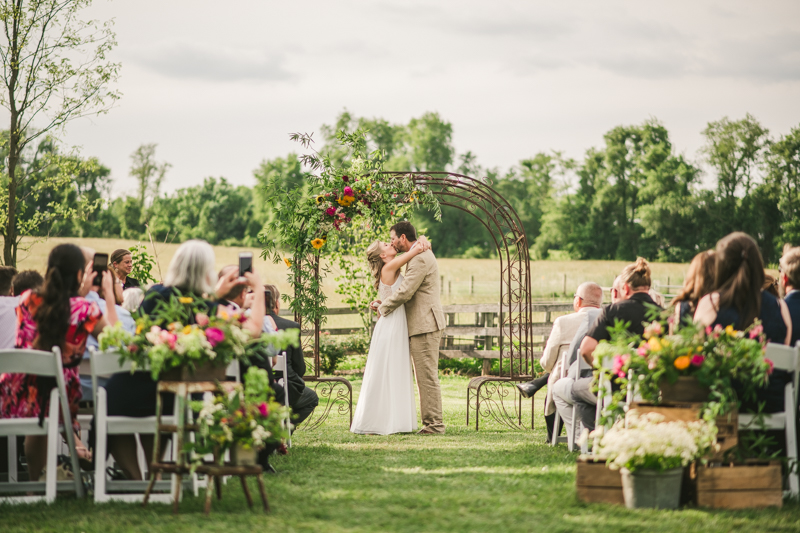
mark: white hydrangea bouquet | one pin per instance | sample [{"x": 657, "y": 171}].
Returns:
[{"x": 647, "y": 442}]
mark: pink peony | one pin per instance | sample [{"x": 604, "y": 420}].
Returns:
[
  {"x": 201, "y": 319},
  {"x": 617, "y": 367},
  {"x": 697, "y": 359},
  {"x": 642, "y": 351},
  {"x": 330, "y": 211},
  {"x": 708, "y": 330},
  {"x": 215, "y": 336},
  {"x": 263, "y": 409},
  {"x": 771, "y": 365},
  {"x": 348, "y": 191},
  {"x": 756, "y": 331}
]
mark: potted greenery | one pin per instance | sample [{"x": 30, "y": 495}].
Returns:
[
  {"x": 239, "y": 418},
  {"x": 182, "y": 341},
  {"x": 651, "y": 454}
]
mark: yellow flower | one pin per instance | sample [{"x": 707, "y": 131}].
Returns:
[
  {"x": 287, "y": 261},
  {"x": 369, "y": 186},
  {"x": 318, "y": 243},
  {"x": 187, "y": 330},
  {"x": 682, "y": 362},
  {"x": 345, "y": 201},
  {"x": 320, "y": 198},
  {"x": 139, "y": 329},
  {"x": 730, "y": 331},
  {"x": 654, "y": 344},
  {"x": 185, "y": 300},
  {"x": 223, "y": 314}
]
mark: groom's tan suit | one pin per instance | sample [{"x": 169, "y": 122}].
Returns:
[{"x": 420, "y": 291}]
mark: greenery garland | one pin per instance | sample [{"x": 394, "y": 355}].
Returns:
[{"x": 331, "y": 214}]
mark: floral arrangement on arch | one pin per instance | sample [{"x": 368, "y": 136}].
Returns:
[
  {"x": 339, "y": 194},
  {"x": 244, "y": 415},
  {"x": 182, "y": 332},
  {"x": 647, "y": 442},
  {"x": 714, "y": 356}
]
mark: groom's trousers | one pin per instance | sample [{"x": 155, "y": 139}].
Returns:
[{"x": 425, "y": 354}]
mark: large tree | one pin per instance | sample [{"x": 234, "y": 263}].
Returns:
[{"x": 54, "y": 70}]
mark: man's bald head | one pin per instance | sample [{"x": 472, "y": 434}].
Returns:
[{"x": 591, "y": 294}]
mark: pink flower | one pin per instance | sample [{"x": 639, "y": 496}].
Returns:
[
  {"x": 617, "y": 367},
  {"x": 215, "y": 336},
  {"x": 697, "y": 359},
  {"x": 642, "y": 351},
  {"x": 201, "y": 319},
  {"x": 168, "y": 338},
  {"x": 263, "y": 409},
  {"x": 348, "y": 191},
  {"x": 133, "y": 348},
  {"x": 708, "y": 330},
  {"x": 771, "y": 365},
  {"x": 756, "y": 331},
  {"x": 330, "y": 211},
  {"x": 652, "y": 363},
  {"x": 345, "y": 179}
]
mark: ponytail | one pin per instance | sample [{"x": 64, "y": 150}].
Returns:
[{"x": 375, "y": 262}]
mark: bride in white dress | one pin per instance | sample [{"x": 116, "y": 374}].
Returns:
[{"x": 386, "y": 403}]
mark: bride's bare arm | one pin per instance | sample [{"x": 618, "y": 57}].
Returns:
[{"x": 390, "y": 269}]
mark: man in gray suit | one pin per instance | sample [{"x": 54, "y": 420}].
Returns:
[{"x": 420, "y": 291}]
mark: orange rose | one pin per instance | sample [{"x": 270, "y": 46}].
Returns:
[{"x": 682, "y": 362}]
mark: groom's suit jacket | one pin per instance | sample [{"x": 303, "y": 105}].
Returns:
[{"x": 419, "y": 291}]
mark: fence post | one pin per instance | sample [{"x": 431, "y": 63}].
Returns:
[
  {"x": 441, "y": 284},
  {"x": 472, "y": 285},
  {"x": 449, "y": 287},
  {"x": 565, "y": 284}
]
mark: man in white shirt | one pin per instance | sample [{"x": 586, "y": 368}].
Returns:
[{"x": 8, "y": 308}]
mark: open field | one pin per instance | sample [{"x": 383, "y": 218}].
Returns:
[
  {"x": 334, "y": 481},
  {"x": 465, "y": 280}
]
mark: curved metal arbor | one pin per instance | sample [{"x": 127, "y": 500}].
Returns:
[{"x": 478, "y": 198}]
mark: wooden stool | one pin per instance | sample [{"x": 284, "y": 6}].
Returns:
[{"x": 180, "y": 467}]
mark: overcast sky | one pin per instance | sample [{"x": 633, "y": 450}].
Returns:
[{"x": 220, "y": 85}]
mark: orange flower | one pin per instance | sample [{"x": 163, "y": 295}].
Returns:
[
  {"x": 287, "y": 261},
  {"x": 682, "y": 362}
]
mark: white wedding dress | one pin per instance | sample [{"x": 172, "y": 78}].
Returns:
[{"x": 386, "y": 403}]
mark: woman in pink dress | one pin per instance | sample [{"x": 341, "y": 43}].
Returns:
[{"x": 55, "y": 315}]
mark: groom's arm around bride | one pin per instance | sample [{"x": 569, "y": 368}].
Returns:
[{"x": 420, "y": 291}]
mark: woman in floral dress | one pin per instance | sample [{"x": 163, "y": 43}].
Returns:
[{"x": 55, "y": 315}]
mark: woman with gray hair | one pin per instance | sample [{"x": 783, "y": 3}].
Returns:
[{"x": 192, "y": 273}]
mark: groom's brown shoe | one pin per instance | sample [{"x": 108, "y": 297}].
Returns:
[{"x": 427, "y": 430}]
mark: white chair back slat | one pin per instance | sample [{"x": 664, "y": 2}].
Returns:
[
  {"x": 18, "y": 361},
  {"x": 783, "y": 357}
]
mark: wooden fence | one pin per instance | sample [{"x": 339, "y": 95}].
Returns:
[{"x": 472, "y": 330}]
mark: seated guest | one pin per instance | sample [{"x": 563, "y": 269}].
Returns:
[
  {"x": 586, "y": 303},
  {"x": 25, "y": 281},
  {"x": 302, "y": 399},
  {"x": 121, "y": 264},
  {"x": 632, "y": 306},
  {"x": 55, "y": 315},
  {"x": 790, "y": 281},
  {"x": 771, "y": 285},
  {"x": 738, "y": 300},
  {"x": 8, "y": 308},
  {"x": 132, "y": 299},
  {"x": 191, "y": 273},
  {"x": 699, "y": 282}
]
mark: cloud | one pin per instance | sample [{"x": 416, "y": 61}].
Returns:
[
  {"x": 766, "y": 58},
  {"x": 192, "y": 61}
]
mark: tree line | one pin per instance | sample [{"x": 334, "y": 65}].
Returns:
[{"x": 632, "y": 196}]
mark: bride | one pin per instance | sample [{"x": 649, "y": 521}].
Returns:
[{"x": 386, "y": 403}]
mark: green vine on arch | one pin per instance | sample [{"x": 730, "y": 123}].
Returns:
[{"x": 341, "y": 207}]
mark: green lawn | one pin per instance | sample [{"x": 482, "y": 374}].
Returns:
[{"x": 494, "y": 480}]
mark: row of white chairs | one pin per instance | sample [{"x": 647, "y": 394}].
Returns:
[
  {"x": 785, "y": 358},
  {"x": 48, "y": 364}
]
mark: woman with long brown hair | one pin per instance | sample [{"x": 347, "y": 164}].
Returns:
[
  {"x": 57, "y": 314},
  {"x": 699, "y": 282}
]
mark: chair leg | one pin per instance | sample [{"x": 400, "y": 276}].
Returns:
[
  {"x": 556, "y": 422},
  {"x": 100, "y": 452},
  {"x": 791, "y": 441},
  {"x": 12, "y": 459},
  {"x": 53, "y": 440},
  {"x": 573, "y": 429}
]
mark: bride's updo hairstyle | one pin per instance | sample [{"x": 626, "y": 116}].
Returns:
[
  {"x": 637, "y": 275},
  {"x": 375, "y": 261}
]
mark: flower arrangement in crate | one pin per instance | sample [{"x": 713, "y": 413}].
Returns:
[
  {"x": 647, "y": 442},
  {"x": 715, "y": 357},
  {"x": 241, "y": 418},
  {"x": 182, "y": 333}
]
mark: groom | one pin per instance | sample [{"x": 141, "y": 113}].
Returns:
[{"x": 420, "y": 291}]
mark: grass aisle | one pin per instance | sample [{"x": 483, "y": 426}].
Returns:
[{"x": 494, "y": 480}]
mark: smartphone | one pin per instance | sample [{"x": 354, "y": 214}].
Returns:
[
  {"x": 245, "y": 262},
  {"x": 100, "y": 265},
  {"x": 268, "y": 301}
]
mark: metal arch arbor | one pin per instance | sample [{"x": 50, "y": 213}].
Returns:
[{"x": 487, "y": 396}]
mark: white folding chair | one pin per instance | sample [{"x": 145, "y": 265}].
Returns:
[
  {"x": 280, "y": 366},
  {"x": 45, "y": 364},
  {"x": 234, "y": 371},
  {"x": 784, "y": 358},
  {"x": 105, "y": 364},
  {"x": 563, "y": 358}
]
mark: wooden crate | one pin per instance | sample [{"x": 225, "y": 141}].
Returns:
[
  {"x": 727, "y": 425},
  {"x": 740, "y": 486},
  {"x": 596, "y": 483}
]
